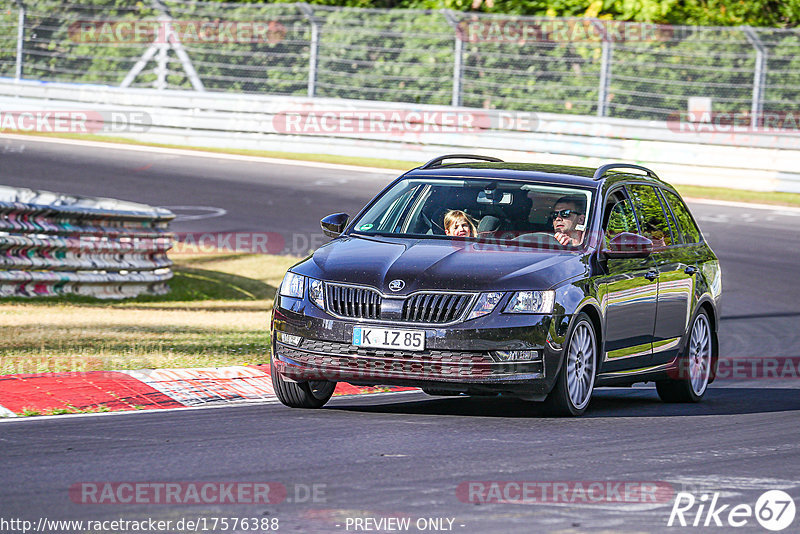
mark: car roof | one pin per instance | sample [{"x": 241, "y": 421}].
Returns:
[{"x": 557, "y": 174}]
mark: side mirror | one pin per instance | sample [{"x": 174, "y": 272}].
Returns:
[
  {"x": 628, "y": 245},
  {"x": 334, "y": 225}
]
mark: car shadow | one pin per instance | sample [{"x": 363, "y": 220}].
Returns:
[
  {"x": 750, "y": 316},
  {"x": 612, "y": 402}
]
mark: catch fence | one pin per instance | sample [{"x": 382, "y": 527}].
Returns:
[{"x": 438, "y": 57}]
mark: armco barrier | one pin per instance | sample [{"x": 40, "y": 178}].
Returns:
[
  {"x": 54, "y": 244},
  {"x": 760, "y": 160}
]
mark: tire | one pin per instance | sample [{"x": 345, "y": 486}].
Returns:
[
  {"x": 575, "y": 382},
  {"x": 693, "y": 367},
  {"x": 311, "y": 394}
]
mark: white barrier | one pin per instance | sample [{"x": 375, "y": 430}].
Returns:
[{"x": 758, "y": 160}]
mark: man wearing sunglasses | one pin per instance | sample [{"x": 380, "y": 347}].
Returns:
[{"x": 569, "y": 218}]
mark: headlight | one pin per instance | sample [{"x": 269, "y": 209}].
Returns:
[
  {"x": 531, "y": 302},
  {"x": 292, "y": 285},
  {"x": 315, "y": 293},
  {"x": 485, "y": 304}
]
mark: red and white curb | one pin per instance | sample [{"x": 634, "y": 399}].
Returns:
[
  {"x": 147, "y": 389},
  {"x": 197, "y": 387}
]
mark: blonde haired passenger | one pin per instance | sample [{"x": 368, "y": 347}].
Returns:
[{"x": 459, "y": 224}]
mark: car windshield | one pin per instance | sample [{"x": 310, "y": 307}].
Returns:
[{"x": 528, "y": 213}]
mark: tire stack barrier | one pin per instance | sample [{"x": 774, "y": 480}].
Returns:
[{"x": 55, "y": 244}]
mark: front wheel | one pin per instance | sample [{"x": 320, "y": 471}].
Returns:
[
  {"x": 694, "y": 368},
  {"x": 575, "y": 382},
  {"x": 311, "y": 394}
]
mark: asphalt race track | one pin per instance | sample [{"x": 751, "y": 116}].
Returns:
[{"x": 405, "y": 455}]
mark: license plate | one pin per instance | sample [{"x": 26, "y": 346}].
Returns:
[{"x": 388, "y": 338}]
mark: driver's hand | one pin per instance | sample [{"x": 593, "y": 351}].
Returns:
[{"x": 562, "y": 238}]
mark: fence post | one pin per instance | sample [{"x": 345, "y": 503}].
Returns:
[
  {"x": 175, "y": 43},
  {"x": 759, "y": 76},
  {"x": 605, "y": 70},
  {"x": 140, "y": 65},
  {"x": 20, "y": 40},
  {"x": 161, "y": 67},
  {"x": 313, "y": 53},
  {"x": 170, "y": 41},
  {"x": 458, "y": 57}
]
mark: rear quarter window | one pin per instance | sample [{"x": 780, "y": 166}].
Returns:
[{"x": 691, "y": 234}]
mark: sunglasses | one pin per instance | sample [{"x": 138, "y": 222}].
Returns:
[{"x": 563, "y": 213}]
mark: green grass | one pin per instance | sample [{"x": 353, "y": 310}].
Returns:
[
  {"x": 69, "y": 409},
  {"x": 217, "y": 314},
  {"x": 739, "y": 195}
]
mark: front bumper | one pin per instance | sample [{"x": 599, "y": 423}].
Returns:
[{"x": 457, "y": 358}]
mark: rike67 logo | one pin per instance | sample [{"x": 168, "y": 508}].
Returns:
[{"x": 774, "y": 510}]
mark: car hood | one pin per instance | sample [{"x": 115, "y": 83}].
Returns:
[{"x": 440, "y": 264}]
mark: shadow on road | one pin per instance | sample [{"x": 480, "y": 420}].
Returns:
[
  {"x": 628, "y": 402},
  {"x": 759, "y": 316}
]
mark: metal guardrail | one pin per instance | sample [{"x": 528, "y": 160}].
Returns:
[
  {"x": 576, "y": 66},
  {"x": 54, "y": 244},
  {"x": 756, "y": 159}
]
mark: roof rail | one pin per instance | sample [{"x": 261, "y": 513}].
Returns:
[
  {"x": 603, "y": 169},
  {"x": 437, "y": 162}
]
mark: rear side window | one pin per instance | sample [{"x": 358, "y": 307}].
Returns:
[
  {"x": 652, "y": 220},
  {"x": 676, "y": 233},
  {"x": 691, "y": 234}
]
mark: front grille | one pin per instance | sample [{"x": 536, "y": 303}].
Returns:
[
  {"x": 431, "y": 307},
  {"x": 351, "y": 301},
  {"x": 335, "y": 357},
  {"x": 435, "y": 307}
]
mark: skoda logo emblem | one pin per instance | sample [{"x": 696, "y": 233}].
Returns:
[{"x": 396, "y": 285}]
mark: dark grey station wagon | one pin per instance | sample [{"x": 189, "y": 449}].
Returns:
[{"x": 473, "y": 276}]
